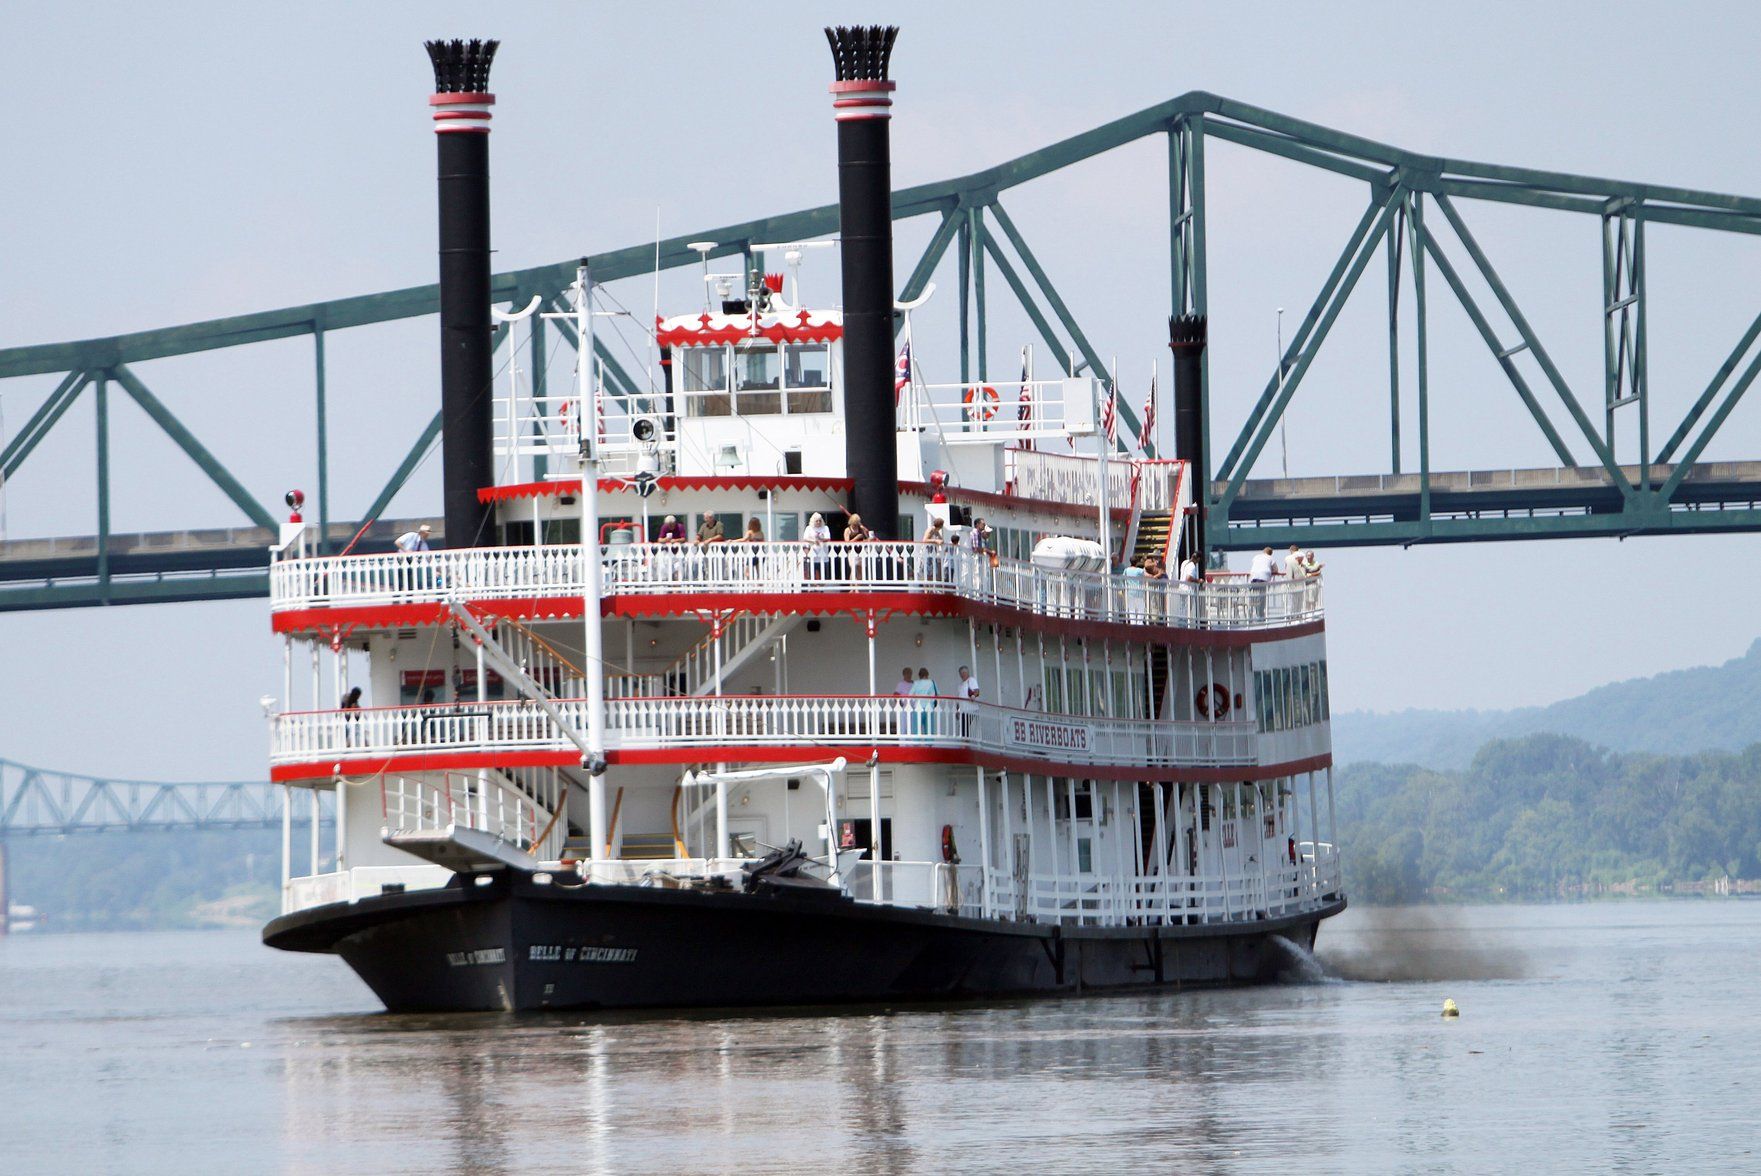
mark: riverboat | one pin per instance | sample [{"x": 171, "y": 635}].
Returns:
[{"x": 657, "y": 725}]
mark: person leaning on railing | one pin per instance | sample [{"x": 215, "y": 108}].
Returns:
[{"x": 818, "y": 538}]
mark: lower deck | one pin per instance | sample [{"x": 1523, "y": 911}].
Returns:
[{"x": 963, "y": 840}]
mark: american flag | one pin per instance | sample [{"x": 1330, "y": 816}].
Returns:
[
  {"x": 902, "y": 370},
  {"x": 1146, "y": 436},
  {"x": 1110, "y": 415}
]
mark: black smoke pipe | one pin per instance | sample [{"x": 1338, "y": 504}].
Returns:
[
  {"x": 461, "y": 124},
  {"x": 865, "y": 225},
  {"x": 1186, "y": 337}
]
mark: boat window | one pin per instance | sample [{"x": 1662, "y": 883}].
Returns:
[
  {"x": 807, "y": 375},
  {"x": 788, "y": 529},
  {"x": 758, "y": 378},
  {"x": 705, "y": 381},
  {"x": 1326, "y": 706}
]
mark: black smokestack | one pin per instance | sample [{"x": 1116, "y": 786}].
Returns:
[
  {"x": 1186, "y": 337},
  {"x": 865, "y": 224},
  {"x": 461, "y": 124}
]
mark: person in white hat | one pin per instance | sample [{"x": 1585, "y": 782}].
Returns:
[{"x": 416, "y": 540}]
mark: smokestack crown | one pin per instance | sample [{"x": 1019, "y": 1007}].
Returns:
[
  {"x": 1186, "y": 330},
  {"x": 861, "y": 53},
  {"x": 461, "y": 67}
]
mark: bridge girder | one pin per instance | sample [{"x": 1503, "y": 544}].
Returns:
[{"x": 1403, "y": 190}]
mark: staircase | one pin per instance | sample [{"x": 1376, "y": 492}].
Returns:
[
  {"x": 743, "y": 638},
  {"x": 1155, "y": 533},
  {"x": 1158, "y": 679},
  {"x": 554, "y": 674}
]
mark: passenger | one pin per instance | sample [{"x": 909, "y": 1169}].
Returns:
[
  {"x": 854, "y": 562},
  {"x": 933, "y": 558},
  {"x": 710, "y": 531},
  {"x": 351, "y": 702},
  {"x": 1311, "y": 574},
  {"x": 969, "y": 693},
  {"x": 1260, "y": 574},
  {"x": 895, "y": 720},
  {"x": 1293, "y": 562},
  {"x": 923, "y": 693},
  {"x": 754, "y": 535},
  {"x": 818, "y": 539},
  {"x": 416, "y": 540},
  {"x": 672, "y": 530},
  {"x": 1188, "y": 604}
]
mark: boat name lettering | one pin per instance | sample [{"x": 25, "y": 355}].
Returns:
[
  {"x": 1054, "y": 736},
  {"x": 481, "y": 955},
  {"x": 555, "y": 953}
]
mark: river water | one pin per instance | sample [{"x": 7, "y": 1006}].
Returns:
[{"x": 1598, "y": 1038}]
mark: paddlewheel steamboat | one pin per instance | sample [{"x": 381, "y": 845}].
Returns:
[{"x": 650, "y": 719}]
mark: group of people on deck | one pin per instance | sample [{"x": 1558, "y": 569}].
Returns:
[
  {"x": 924, "y": 698},
  {"x": 1298, "y": 565}
]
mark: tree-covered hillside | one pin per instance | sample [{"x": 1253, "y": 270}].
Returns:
[
  {"x": 1548, "y": 816},
  {"x": 139, "y": 881},
  {"x": 1684, "y": 711}
]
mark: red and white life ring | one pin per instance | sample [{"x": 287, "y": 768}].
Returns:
[
  {"x": 1212, "y": 701},
  {"x": 981, "y": 401}
]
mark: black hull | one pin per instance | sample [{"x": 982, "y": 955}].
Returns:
[{"x": 516, "y": 945}]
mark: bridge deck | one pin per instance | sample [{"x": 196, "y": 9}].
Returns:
[
  {"x": 1547, "y": 502},
  {"x": 228, "y": 563}
]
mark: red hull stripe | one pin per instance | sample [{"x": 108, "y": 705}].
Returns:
[
  {"x": 745, "y": 753},
  {"x": 393, "y": 616}
]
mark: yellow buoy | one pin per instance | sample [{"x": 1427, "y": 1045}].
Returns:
[{"x": 1449, "y": 1009}]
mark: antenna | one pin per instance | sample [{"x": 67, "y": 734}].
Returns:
[{"x": 703, "y": 249}]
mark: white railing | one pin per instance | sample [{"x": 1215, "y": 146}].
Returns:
[
  {"x": 986, "y": 412},
  {"x": 786, "y": 569},
  {"x": 1112, "y": 900},
  {"x": 1068, "y": 477},
  {"x": 358, "y": 882},
  {"x": 762, "y": 721},
  {"x": 484, "y": 801}
]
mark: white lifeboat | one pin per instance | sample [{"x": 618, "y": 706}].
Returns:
[{"x": 1062, "y": 553}]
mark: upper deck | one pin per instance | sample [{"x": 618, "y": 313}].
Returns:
[{"x": 656, "y": 579}]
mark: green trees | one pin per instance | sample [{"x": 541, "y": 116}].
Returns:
[{"x": 1545, "y": 817}]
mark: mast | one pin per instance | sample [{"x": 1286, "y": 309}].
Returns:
[
  {"x": 593, "y": 635},
  {"x": 861, "y": 54},
  {"x": 461, "y": 103}
]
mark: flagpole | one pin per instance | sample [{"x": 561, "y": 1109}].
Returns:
[{"x": 1103, "y": 446}]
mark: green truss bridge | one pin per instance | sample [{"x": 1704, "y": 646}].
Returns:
[{"x": 1414, "y": 228}]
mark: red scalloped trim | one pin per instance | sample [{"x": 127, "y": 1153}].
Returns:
[
  {"x": 702, "y": 335},
  {"x": 561, "y": 486}
]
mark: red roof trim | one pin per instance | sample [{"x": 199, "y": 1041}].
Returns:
[
  {"x": 703, "y": 335},
  {"x": 562, "y": 486},
  {"x": 927, "y": 604},
  {"x": 747, "y": 753}
]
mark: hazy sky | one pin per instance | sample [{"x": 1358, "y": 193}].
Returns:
[{"x": 183, "y": 162}]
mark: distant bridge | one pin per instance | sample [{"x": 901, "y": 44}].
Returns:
[
  {"x": 1415, "y": 216},
  {"x": 37, "y": 802}
]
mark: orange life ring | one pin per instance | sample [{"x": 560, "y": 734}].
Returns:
[
  {"x": 1212, "y": 701},
  {"x": 569, "y": 422},
  {"x": 981, "y": 401}
]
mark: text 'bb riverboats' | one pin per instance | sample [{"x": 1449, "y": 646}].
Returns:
[{"x": 721, "y": 693}]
